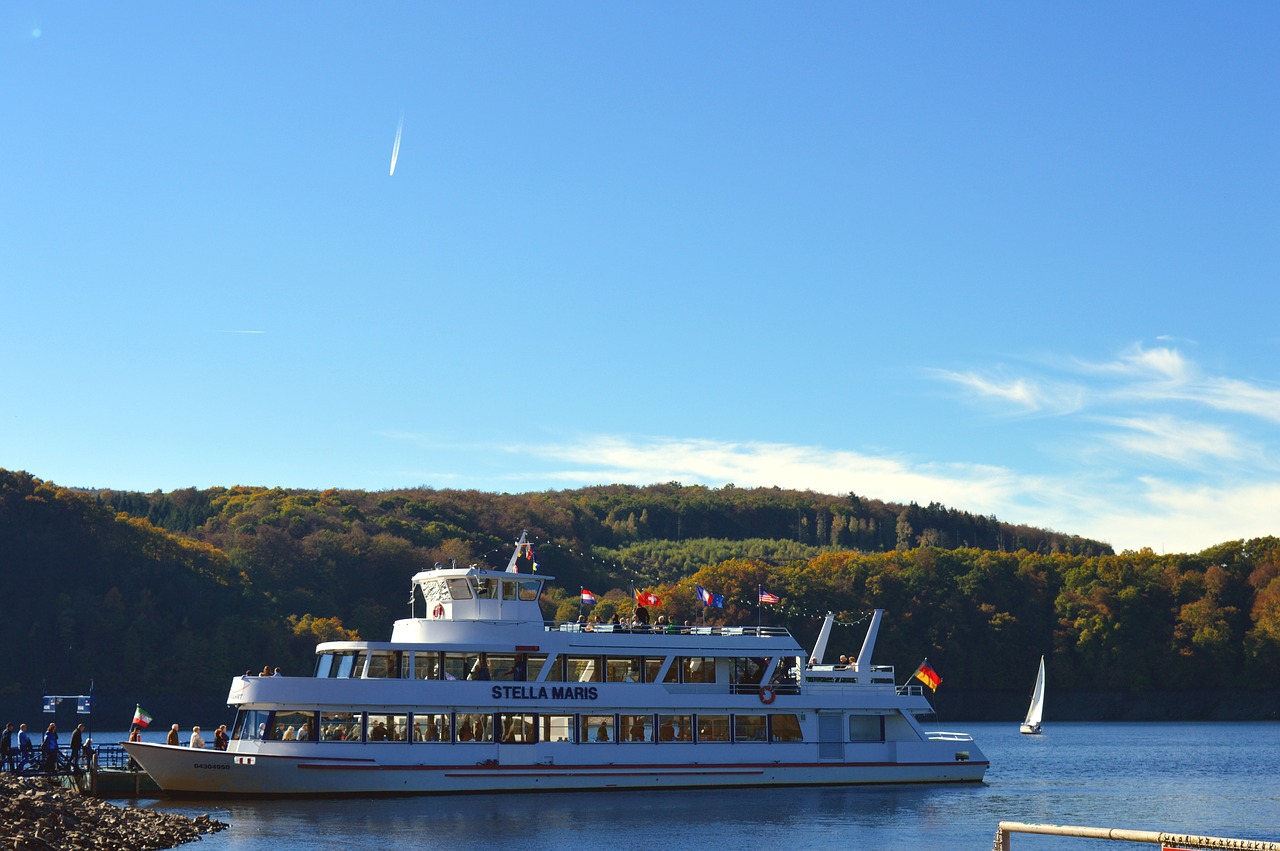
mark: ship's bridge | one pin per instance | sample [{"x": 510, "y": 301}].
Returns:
[{"x": 467, "y": 595}]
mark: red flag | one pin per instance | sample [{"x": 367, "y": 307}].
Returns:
[{"x": 645, "y": 598}]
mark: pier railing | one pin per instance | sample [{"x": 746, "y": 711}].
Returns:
[{"x": 1168, "y": 841}]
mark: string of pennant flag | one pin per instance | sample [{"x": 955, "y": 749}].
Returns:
[{"x": 636, "y": 578}]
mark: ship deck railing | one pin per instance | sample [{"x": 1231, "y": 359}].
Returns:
[{"x": 671, "y": 629}]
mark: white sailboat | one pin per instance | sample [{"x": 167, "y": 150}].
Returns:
[{"x": 1035, "y": 712}]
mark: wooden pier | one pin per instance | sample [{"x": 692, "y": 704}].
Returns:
[
  {"x": 1167, "y": 841},
  {"x": 104, "y": 772}
]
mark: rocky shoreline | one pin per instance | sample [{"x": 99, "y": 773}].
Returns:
[{"x": 35, "y": 814}]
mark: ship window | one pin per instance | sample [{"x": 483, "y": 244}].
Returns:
[
  {"x": 435, "y": 727},
  {"x": 746, "y": 670},
  {"x": 555, "y": 670},
  {"x": 866, "y": 728},
  {"x": 381, "y": 665},
  {"x": 357, "y": 671},
  {"x": 340, "y": 726},
  {"x": 485, "y": 587},
  {"x": 457, "y": 666},
  {"x": 582, "y": 669},
  {"x": 251, "y": 724},
  {"x": 675, "y": 728},
  {"x": 426, "y": 666},
  {"x": 698, "y": 669},
  {"x": 294, "y": 725},
  {"x": 342, "y": 665},
  {"x": 533, "y": 666},
  {"x": 624, "y": 669},
  {"x": 785, "y": 728},
  {"x": 509, "y": 590},
  {"x": 475, "y": 727},
  {"x": 713, "y": 728},
  {"x": 651, "y": 669},
  {"x": 459, "y": 589},
  {"x": 636, "y": 728},
  {"x": 387, "y": 728},
  {"x": 502, "y": 666},
  {"x": 323, "y": 663},
  {"x": 749, "y": 728},
  {"x": 529, "y": 590},
  {"x": 597, "y": 728},
  {"x": 557, "y": 728},
  {"x": 433, "y": 590},
  {"x": 518, "y": 728}
]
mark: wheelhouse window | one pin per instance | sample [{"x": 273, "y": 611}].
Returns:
[
  {"x": 597, "y": 728},
  {"x": 484, "y": 587},
  {"x": 341, "y": 726},
  {"x": 459, "y": 589},
  {"x": 432, "y": 727}
]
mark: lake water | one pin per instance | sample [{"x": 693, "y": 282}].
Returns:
[{"x": 1202, "y": 778}]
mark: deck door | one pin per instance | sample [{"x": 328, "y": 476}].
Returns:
[{"x": 831, "y": 735}]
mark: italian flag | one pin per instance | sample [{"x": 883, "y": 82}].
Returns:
[{"x": 141, "y": 717}]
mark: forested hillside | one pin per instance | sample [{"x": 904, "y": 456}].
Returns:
[{"x": 170, "y": 593}]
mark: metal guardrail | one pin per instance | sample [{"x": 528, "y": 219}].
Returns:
[{"x": 1171, "y": 841}]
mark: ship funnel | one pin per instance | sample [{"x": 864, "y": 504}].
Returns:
[
  {"x": 869, "y": 643},
  {"x": 824, "y": 634}
]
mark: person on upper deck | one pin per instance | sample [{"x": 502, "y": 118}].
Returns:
[
  {"x": 479, "y": 671},
  {"x": 172, "y": 738},
  {"x": 197, "y": 740}
]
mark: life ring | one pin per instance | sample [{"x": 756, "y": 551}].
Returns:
[
  {"x": 438, "y": 611},
  {"x": 767, "y": 694}
]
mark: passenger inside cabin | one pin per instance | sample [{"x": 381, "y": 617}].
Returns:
[
  {"x": 480, "y": 670},
  {"x": 667, "y": 731}
]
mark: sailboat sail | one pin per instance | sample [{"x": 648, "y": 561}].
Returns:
[{"x": 1035, "y": 712}]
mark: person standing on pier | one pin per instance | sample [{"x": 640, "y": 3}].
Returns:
[
  {"x": 50, "y": 748},
  {"x": 77, "y": 736},
  {"x": 6, "y": 748}
]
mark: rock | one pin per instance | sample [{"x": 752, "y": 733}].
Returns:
[{"x": 34, "y": 816}]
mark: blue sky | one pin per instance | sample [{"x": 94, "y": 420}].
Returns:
[{"x": 1017, "y": 259}]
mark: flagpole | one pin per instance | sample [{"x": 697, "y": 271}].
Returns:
[
  {"x": 759, "y": 607},
  {"x": 581, "y": 588}
]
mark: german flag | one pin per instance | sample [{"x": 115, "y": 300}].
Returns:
[{"x": 928, "y": 675}]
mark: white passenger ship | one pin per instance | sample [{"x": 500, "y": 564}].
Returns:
[{"x": 481, "y": 694}]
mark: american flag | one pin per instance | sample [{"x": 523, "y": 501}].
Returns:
[{"x": 766, "y": 597}]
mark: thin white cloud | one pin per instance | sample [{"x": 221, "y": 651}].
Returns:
[
  {"x": 1031, "y": 395},
  {"x": 1174, "y": 439}
]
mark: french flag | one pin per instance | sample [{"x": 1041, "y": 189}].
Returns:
[{"x": 588, "y": 599}]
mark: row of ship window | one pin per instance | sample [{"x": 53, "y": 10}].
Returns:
[
  {"x": 379, "y": 664},
  {"x": 512, "y": 727}
]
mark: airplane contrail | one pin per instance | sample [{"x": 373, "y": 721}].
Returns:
[{"x": 395, "y": 149}]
